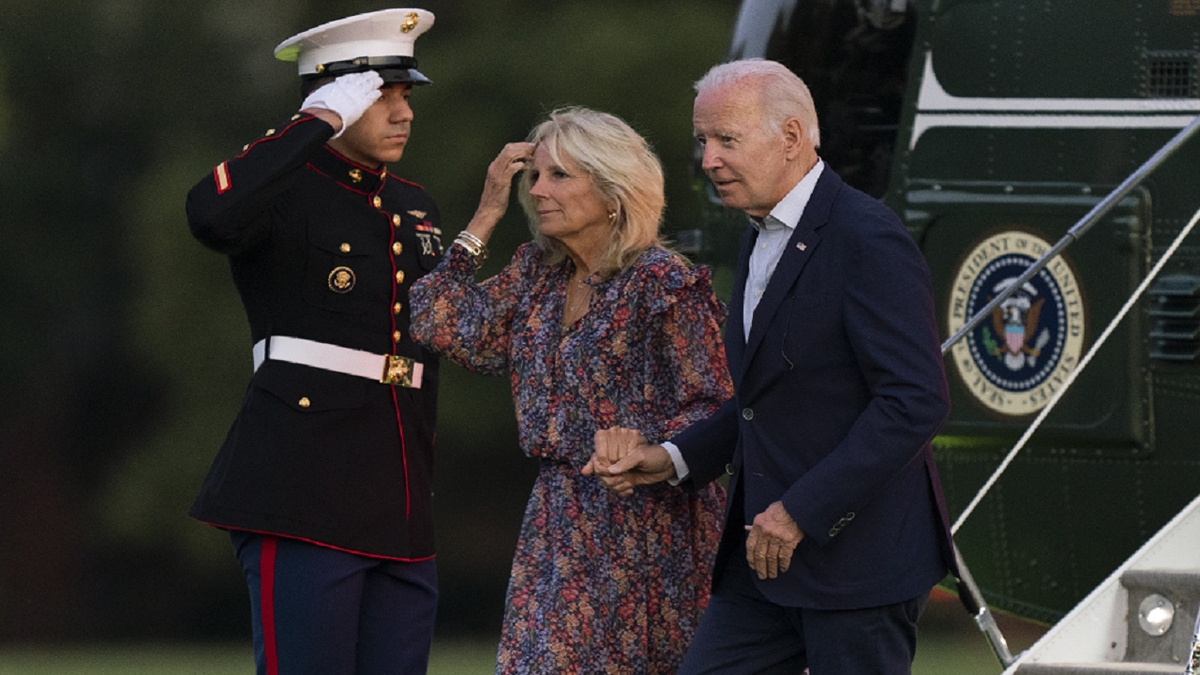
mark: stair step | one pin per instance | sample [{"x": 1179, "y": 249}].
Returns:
[
  {"x": 1120, "y": 668},
  {"x": 1180, "y": 581}
]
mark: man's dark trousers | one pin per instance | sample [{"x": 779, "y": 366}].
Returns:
[
  {"x": 312, "y": 604},
  {"x": 743, "y": 632}
]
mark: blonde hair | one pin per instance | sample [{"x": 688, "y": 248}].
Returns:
[
  {"x": 624, "y": 170},
  {"x": 788, "y": 95}
]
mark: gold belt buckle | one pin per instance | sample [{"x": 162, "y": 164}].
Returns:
[{"x": 398, "y": 370}]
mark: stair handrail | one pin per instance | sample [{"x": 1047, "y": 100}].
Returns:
[
  {"x": 1080, "y": 228},
  {"x": 1193, "y": 664}
]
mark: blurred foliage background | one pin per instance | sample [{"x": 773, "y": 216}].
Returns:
[{"x": 124, "y": 351}]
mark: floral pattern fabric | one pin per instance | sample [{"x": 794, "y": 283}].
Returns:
[{"x": 600, "y": 583}]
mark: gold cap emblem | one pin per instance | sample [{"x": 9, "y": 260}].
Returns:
[
  {"x": 411, "y": 23},
  {"x": 341, "y": 280}
]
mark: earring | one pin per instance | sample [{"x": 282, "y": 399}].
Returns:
[{"x": 612, "y": 215}]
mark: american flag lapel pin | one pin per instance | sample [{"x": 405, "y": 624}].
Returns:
[{"x": 801, "y": 245}]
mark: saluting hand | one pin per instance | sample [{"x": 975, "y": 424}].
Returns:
[
  {"x": 772, "y": 539},
  {"x": 348, "y": 96}
]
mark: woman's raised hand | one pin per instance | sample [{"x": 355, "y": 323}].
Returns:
[{"x": 494, "y": 202}]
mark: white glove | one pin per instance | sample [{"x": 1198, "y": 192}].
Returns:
[{"x": 349, "y": 96}]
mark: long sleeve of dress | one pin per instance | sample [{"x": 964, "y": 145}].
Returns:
[
  {"x": 687, "y": 368},
  {"x": 466, "y": 322}
]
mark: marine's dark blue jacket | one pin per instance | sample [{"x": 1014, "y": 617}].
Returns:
[{"x": 324, "y": 249}]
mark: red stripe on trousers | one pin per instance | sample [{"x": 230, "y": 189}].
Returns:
[{"x": 266, "y": 568}]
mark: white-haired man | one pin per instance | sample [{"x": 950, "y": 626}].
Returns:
[{"x": 835, "y": 525}]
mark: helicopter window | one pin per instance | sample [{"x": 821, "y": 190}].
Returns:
[
  {"x": 854, "y": 55},
  {"x": 1171, "y": 74}
]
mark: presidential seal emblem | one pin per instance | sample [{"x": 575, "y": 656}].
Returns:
[
  {"x": 341, "y": 280},
  {"x": 1014, "y": 360}
]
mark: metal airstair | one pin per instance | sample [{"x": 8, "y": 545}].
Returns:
[{"x": 1143, "y": 619}]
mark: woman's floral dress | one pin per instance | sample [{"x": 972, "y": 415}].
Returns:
[{"x": 600, "y": 583}]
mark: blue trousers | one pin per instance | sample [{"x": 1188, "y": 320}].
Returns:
[
  {"x": 742, "y": 632},
  {"x": 321, "y": 611}
]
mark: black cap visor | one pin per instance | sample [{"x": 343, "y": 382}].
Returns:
[{"x": 393, "y": 69}]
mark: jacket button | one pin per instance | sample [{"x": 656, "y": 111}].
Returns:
[
  {"x": 397, "y": 247},
  {"x": 400, "y": 277},
  {"x": 377, "y": 201},
  {"x": 730, "y": 470},
  {"x": 747, "y": 414},
  {"x": 396, "y": 308},
  {"x": 396, "y": 336},
  {"x": 396, "y": 220},
  {"x": 304, "y": 402},
  {"x": 345, "y": 248}
]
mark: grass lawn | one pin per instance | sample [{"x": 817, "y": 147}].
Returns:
[
  {"x": 949, "y": 644},
  {"x": 939, "y": 653}
]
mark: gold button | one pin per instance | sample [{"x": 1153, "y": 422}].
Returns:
[
  {"x": 396, "y": 308},
  {"x": 270, "y": 132},
  {"x": 396, "y": 336},
  {"x": 396, "y": 220},
  {"x": 377, "y": 202},
  {"x": 400, "y": 277},
  {"x": 345, "y": 248},
  {"x": 304, "y": 402},
  {"x": 397, "y": 248}
]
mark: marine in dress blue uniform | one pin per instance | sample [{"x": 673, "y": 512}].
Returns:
[{"x": 324, "y": 479}]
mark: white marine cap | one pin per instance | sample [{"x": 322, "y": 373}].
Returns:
[{"x": 381, "y": 41}]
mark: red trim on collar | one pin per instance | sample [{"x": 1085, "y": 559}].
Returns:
[
  {"x": 374, "y": 172},
  {"x": 395, "y": 177},
  {"x": 340, "y": 183}
]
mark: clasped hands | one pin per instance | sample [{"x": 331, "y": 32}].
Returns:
[{"x": 623, "y": 459}]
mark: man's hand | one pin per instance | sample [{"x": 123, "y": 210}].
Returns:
[
  {"x": 349, "y": 96},
  {"x": 772, "y": 539},
  {"x": 623, "y": 459}
]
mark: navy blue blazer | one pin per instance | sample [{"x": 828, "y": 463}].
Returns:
[{"x": 839, "y": 390}]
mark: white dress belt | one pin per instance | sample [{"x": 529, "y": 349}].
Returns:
[{"x": 385, "y": 368}]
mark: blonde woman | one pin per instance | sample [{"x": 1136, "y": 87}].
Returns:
[{"x": 597, "y": 325}]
